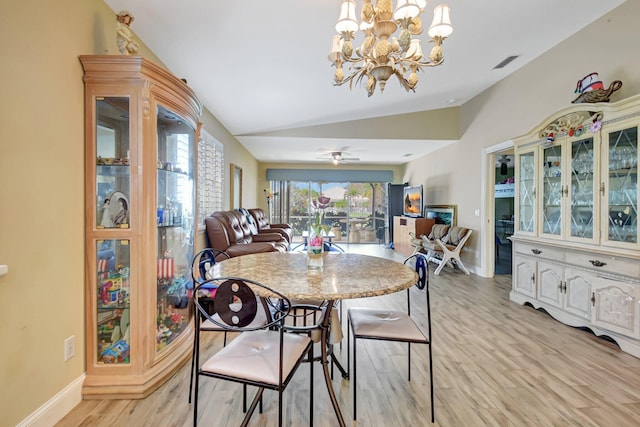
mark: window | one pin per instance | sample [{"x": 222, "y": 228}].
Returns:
[
  {"x": 210, "y": 176},
  {"x": 357, "y": 211}
]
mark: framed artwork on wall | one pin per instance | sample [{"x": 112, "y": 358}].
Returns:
[
  {"x": 235, "y": 186},
  {"x": 443, "y": 214}
]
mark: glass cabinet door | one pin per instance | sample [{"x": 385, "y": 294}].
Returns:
[
  {"x": 552, "y": 190},
  {"x": 113, "y": 256},
  {"x": 112, "y": 163},
  {"x": 113, "y": 303},
  {"x": 526, "y": 192},
  {"x": 582, "y": 188},
  {"x": 175, "y": 216},
  {"x": 621, "y": 187}
]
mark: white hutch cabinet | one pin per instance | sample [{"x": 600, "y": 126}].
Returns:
[{"x": 576, "y": 250}]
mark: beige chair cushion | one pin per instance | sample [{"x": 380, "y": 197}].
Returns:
[
  {"x": 255, "y": 356},
  {"x": 455, "y": 235},
  {"x": 438, "y": 231},
  {"x": 392, "y": 325}
]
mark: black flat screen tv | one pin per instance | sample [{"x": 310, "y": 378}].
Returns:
[{"x": 412, "y": 201}]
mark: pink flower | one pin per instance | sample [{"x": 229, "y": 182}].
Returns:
[
  {"x": 315, "y": 241},
  {"x": 321, "y": 203},
  {"x": 595, "y": 127}
]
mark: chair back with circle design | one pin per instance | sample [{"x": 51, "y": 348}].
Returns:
[{"x": 235, "y": 304}]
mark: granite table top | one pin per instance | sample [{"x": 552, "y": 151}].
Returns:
[{"x": 344, "y": 275}]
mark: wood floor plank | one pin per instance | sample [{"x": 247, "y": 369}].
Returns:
[{"x": 496, "y": 363}]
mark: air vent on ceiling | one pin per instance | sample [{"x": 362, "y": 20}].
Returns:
[{"x": 505, "y": 61}]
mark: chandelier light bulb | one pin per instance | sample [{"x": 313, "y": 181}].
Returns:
[
  {"x": 347, "y": 22},
  {"x": 406, "y": 9},
  {"x": 441, "y": 25}
]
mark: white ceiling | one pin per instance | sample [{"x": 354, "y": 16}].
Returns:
[{"x": 261, "y": 65}]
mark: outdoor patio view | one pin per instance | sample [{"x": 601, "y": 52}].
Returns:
[{"x": 356, "y": 212}]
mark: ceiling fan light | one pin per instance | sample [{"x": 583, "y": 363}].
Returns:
[{"x": 441, "y": 24}]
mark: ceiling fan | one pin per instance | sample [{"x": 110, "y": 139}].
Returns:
[{"x": 338, "y": 157}]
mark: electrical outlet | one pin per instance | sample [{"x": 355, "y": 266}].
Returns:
[{"x": 69, "y": 347}]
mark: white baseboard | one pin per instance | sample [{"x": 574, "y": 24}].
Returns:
[{"x": 57, "y": 407}]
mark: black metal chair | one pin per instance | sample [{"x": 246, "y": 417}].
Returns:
[
  {"x": 201, "y": 264},
  {"x": 389, "y": 325},
  {"x": 263, "y": 356}
]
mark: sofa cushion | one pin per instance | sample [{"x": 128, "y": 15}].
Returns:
[
  {"x": 251, "y": 222},
  {"x": 264, "y": 225},
  {"x": 228, "y": 231}
]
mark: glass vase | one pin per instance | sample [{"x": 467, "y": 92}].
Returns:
[{"x": 315, "y": 251}]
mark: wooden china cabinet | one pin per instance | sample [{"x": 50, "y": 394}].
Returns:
[
  {"x": 576, "y": 247},
  {"x": 141, "y": 126}
]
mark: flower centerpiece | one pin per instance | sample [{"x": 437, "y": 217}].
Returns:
[{"x": 315, "y": 247}]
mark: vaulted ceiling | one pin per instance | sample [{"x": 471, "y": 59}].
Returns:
[{"x": 261, "y": 68}]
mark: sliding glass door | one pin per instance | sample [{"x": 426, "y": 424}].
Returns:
[{"x": 357, "y": 212}]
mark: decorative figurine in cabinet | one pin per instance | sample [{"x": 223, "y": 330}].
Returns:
[{"x": 141, "y": 128}]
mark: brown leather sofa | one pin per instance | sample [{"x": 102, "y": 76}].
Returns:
[
  {"x": 229, "y": 232},
  {"x": 264, "y": 226}
]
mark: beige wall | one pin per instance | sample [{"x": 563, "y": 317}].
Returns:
[
  {"x": 515, "y": 105},
  {"x": 42, "y": 191},
  {"x": 42, "y": 178}
]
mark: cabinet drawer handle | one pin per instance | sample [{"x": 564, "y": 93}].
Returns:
[
  {"x": 593, "y": 299},
  {"x": 597, "y": 263},
  {"x": 536, "y": 251}
]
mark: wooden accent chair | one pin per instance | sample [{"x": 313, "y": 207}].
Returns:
[{"x": 447, "y": 250}]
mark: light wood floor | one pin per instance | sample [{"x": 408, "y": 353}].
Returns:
[{"x": 496, "y": 363}]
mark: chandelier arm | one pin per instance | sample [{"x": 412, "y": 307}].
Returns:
[
  {"x": 357, "y": 75},
  {"x": 420, "y": 64},
  {"x": 403, "y": 82}
]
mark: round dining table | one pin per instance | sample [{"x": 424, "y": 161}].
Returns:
[{"x": 343, "y": 276}]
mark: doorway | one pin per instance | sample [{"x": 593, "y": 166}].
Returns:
[{"x": 503, "y": 199}]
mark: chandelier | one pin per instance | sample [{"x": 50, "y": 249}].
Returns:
[{"x": 380, "y": 55}]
